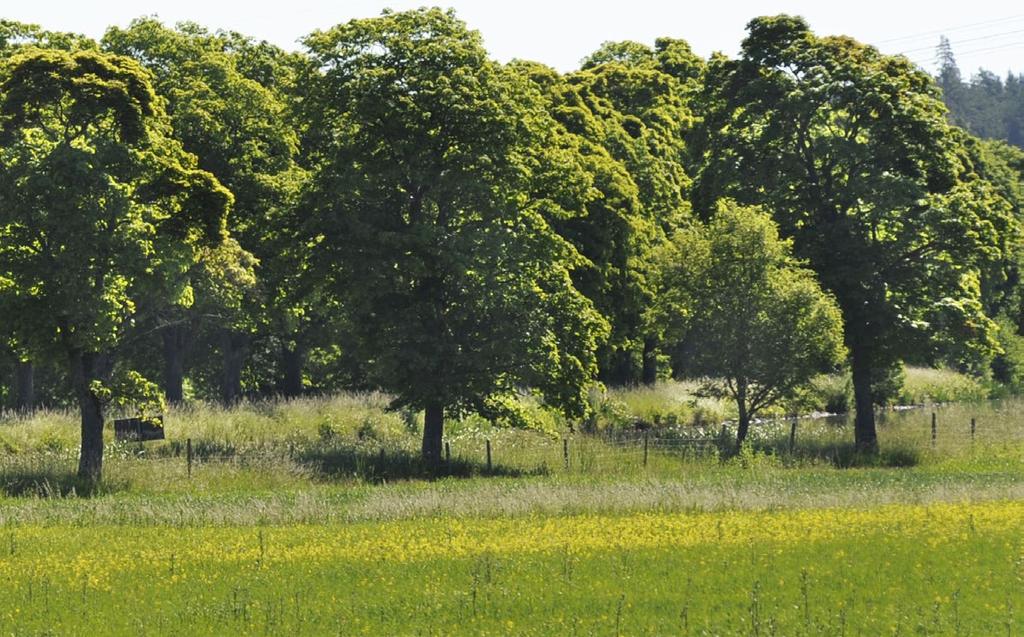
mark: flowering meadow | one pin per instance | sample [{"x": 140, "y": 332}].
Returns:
[{"x": 902, "y": 569}]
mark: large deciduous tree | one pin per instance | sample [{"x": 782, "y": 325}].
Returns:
[
  {"x": 16, "y": 36},
  {"x": 763, "y": 325},
  {"x": 240, "y": 130},
  {"x": 851, "y": 151},
  {"x": 432, "y": 205},
  {"x": 624, "y": 115},
  {"x": 100, "y": 213}
]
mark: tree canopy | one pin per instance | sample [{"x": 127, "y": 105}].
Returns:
[
  {"x": 762, "y": 324},
  {"x": 242, "y": 132},
  {"x": 100, "y": 211},
  {"x": 428, "y": 221},
  {"x": 851, "y": 151}
]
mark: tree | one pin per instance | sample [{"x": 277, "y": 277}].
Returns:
[
  {"x": 15, "y": 36},
  {"x": 986, "y": 106},
  {"x": 646, "y": 115},
  {"x": 430, "y": 222},
  {"x": 100, "y": 212},
  {"x": 240, "y": 130},
  {"x": 763, "y": 324},
  {"x": 624, "y": 116},
  {"x": 950, "y": 81},
  {"x": 851, "y": 151}
]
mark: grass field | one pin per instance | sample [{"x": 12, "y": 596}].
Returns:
[
  {"x": 315, "y": 517},
  {"x": 904, "y": 569}
]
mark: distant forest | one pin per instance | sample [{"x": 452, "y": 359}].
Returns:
[{"x": 984, "y": 104}]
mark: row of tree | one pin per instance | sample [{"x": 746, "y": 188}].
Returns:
[{"x": 391, "y": 208}]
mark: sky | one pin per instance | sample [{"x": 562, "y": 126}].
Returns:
[{"x": 984, "y": 33}]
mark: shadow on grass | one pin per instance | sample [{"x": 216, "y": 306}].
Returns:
[
  {"x": 390, "y": 465},
  {"x": 845, "y": 455},
  {"x": 27, "y": 482}
]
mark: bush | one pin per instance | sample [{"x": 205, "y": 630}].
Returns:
[
  {"x": 1008, "y": 367},
  {"x": 831, "y": 393}
]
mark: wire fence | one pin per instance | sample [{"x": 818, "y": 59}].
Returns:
[
  {"x": 922, "y": 430},
  {"x": 942, "y": 430}
]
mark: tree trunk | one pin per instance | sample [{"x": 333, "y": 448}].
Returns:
[
  {"x": 174, "y": 338},
  {"x": 24, "y": 386},
  {"x": 234, "y": 347},
  {"x": 433, "y": 431},
  {"x": 650, "y": 370},
  {"x": 616, "y": 368},
  {"x": 744, "y": 416},
  {"x": 864, "y": 433},
  {"x": 294, "y": 360},
  {"x": 84, "y": 370}
]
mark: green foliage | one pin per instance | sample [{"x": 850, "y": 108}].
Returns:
[
  {"x": 229, "y": 104},
  {"x": 831, "y": 393},
  {"x": 130, "y": 391},
  {"x": 92, "y": 121},
  {"x": 101, "y": 211},
  {"x": 1008, "y": 366},
  {"x": 622, "y": 119},
  {"x": 765, "y": 326},
  {"x": 454, "y": 283},
  {"x": 985, "y": 105},
  {"x": 851, "y": 151},
  {"x": 482, "y": 240},
  {"x": 886, "y": 384}
]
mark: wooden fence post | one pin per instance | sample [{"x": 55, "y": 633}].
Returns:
[
  {"x": 792, "y": 435},
  {"x": 188, "y": 456},
  {"x": 447, "y": 452},
  {"x": 645, "y": 448},
  {"x": 488, "y": 454},
  {"x": 565, "y": 452},
  {"x": 935, "y": 429},
  {"x": 973, "y": 427}
]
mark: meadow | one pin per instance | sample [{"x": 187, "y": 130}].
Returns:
[
  {"x": 904, "y": 569},
  {"x": 315, "y": 517}
]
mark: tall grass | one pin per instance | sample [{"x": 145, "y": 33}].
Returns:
[
  {"x": 353, "y": 439},
  {"x": 923, "y": 385}
]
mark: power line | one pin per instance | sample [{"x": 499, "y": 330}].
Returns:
[
  {"x": 963, "y": 27},
  {"x": 959, "y": 42},
  {"x": 968, "y": 53}
]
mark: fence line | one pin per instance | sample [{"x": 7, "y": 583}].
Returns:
[{"x": 575, "y": 452}]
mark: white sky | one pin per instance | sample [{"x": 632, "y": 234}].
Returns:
[{"x": 985, "y": 33}]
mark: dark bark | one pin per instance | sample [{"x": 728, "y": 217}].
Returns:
[
  {"x": 864, "y": 434},
  {"x": 85, "y": 368},
  {"x": 744, "y": 416},
  {"x": 618, "y": 368},
  {"x": 433, "y": 432},
  {"x": 175, "y": 339},
  {"x": 24, "y": 386},
  {"x": 234, "y": 348},
  {"x": 293, "y": 361},
  {"x": 650, "y": 358}
]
